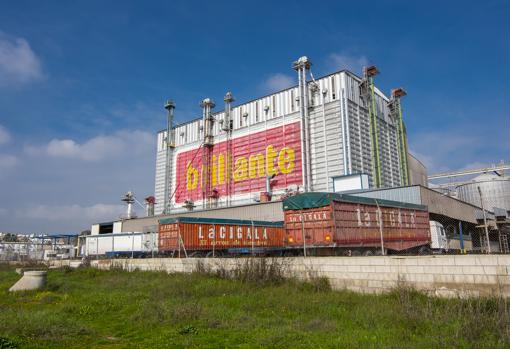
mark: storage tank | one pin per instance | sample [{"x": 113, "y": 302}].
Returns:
[{"x": 495, "y": 191}]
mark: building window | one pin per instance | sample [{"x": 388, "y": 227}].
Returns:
[
  {"x": 274, "y": 106},
  {"x": 240, "y": 117},
  {"x": 256, "y": 111},
  {"x": 292, "y": 100}
]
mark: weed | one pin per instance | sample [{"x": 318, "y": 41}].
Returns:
[
  {"x": 85, "y": 310},
  {"x": 66, "y": 269},
  {"x": 188, "y": 330},
  {"x": 245, "y": 303},
  {"x": 6, "y": 343}
]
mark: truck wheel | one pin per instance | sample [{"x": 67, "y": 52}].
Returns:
[
  {"x": 424, "y": 250},
  {"x": 355, "y": 253},
  {"x": 217, "y": 254},
  {"x": 368, "y": 253}
]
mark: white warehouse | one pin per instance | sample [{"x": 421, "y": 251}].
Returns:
[{"x": 304, "y": 138}]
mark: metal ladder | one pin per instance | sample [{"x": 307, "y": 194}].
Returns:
[{"x": 504, "y": 243}]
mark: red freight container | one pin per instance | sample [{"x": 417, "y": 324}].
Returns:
[
  {"x": 351, "y": 222},
  {"x": 208, "y": 234}
]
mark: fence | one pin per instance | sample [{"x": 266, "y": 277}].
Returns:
[{"x": 25, "y": 251}]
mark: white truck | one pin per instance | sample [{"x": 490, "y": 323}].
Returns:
[
  {"x": 438, "y": 240},
  {"x": 121, "y": 244}
]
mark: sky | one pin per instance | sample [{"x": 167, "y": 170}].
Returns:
[{"x": 83, "y": 84}]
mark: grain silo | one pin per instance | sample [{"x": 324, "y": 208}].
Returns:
[
  {"x": 495, "y": 191},
  {"x": 297, "y": 139}
]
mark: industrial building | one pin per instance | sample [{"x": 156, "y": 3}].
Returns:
[{"x": 304, "y": 138}]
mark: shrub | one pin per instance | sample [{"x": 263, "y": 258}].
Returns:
[{"x": 6, "y": 343}]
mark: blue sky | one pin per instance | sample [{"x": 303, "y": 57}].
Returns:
[{"x": 82, "y": 85}]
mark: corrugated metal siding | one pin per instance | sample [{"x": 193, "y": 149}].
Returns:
[
  {"x": 159, "y": 190},
  {"x": 346, "y": 122},
  {"x": 359, "y": 144},
  {"x": 271, "y": 211},
  {"x": 410, "y": 195},
  {"x": 325, "y": 134},
  {"x": 436, "y": 202}
]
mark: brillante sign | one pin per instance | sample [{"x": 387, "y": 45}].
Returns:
[{"x": 275, "y": 151}]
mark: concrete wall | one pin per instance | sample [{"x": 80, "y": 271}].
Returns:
[{"x": 445, "y": 276}]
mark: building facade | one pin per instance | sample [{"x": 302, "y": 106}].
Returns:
[{"x": 277, "y": 144}]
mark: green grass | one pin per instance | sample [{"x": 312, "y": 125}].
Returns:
[{"x": 87, "y": 308}]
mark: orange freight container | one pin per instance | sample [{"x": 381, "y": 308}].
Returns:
[
  {"x": 207, "y": 234},
  {"x": 342, "y": 221}
]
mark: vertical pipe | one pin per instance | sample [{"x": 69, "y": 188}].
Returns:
[
  {"x": 375, "y": 135},
  {"x": 303, "y": 134},
  {"x": 214, "y": 241},
  {"x": 132, "y": 245},
  {"x": 344, "y": 135},
  {"x": 252, "y": 238},
  {"x": 461, "y": 237},
  {"x": 379, "y": 216},
  {"x": 485, "y": 221},
  {"x": 170, "y": 106},
  {"x": 307, "y": 129},
  {"x": 303, "y": 234},
  {"x": 324, "y": 134}
]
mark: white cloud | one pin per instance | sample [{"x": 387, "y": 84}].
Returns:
[
  {"x": 97, "y": 148},
  {"x": 459, "y": 148},
  {"x": 18, "y": 63},
  {"x": 347, "y": 61},
  {"x": 278, "y": 82},
  {"x": 5, "y": 136},
  {"x": 65, "y": 185},
  {"x": 7, "y": 162}
]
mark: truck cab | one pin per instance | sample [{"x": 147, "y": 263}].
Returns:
[{"x": 438, "y": 240}]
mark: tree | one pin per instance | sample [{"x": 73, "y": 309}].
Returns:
[{"x": 9, "y": 237}]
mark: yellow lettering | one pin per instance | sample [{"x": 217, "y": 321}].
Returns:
[
  {"x": 286, "y": 159},
  {"x": 271, "y": 154},
  {"x": 214, "y": 171},
  {"x": 240, "y": 169},
  {"x": 221, "y": 168},
  {"x": 191, "y": 177},
  {"x": 257, "y": 166}
]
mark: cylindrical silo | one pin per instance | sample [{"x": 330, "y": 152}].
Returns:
[{"x": 495, "y": 191}]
